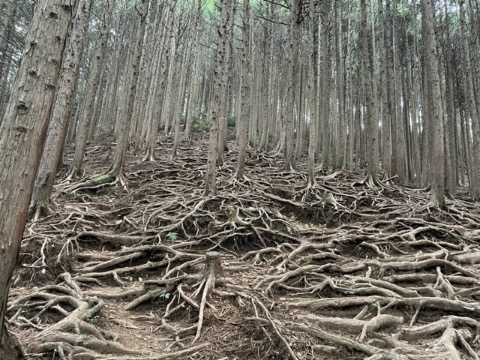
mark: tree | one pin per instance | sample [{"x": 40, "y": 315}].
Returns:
[
  {"x": 220, "y": 64},
  {"x": 57, "y": 130},
  {"x": 292, "y": 79},
  {"x": 325, "y": 52},
  {"x": 246, "y": 80},
  {"x": 370, "y": 113},
  {"x": 436, "y": 115},
  {"x": 312, "y": 95},
  {"x": 474, "y": 180},
  {"x": 93, "y": 85},
  {"x": 160, "y": 84},
  {"x": 22, "y": 135},
  {"x": 118, "y": 163}
]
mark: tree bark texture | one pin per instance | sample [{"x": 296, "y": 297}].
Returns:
[
  {"x": 22, "y": 136},
  {"x": 118, "y": 163},
  {"x": 62, "y": 107},
  {"x": 85, "y": 122},
  {"x": 210, "y": 178},
  {"x": 436, "y": 116}
]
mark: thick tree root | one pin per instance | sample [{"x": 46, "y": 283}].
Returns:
[
  {"x": 74, "y": 336},
  {"x": 331, "y": 271}
]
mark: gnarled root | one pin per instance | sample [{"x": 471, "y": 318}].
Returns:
[{"x": 74, "y": 336}]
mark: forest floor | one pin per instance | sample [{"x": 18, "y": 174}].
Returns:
[{"x": 335, "y": 271}]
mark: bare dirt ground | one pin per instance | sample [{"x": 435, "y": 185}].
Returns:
[{"x": 334, "y": 271}]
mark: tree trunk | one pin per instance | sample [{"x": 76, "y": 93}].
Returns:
[
  {"x": 62, "y": 107},
  {"x": 225, "y": 111},
  {"x": 312, "y": 95},
  {"x": 85, "y": 122},
  {"x": 370, "y": 115},
  {"x": 118, "y": 163},
  {"x": 292, "y": 79},
  {"x": 474, "y": 180},
  {"x": 436, "y": 119},
  {"x": 161, "y": 84},
  {"x": 325, "y": 81},
  {"x": 339, "y": 61},
  {"x": 210, "y": 177},
  {"x": 22, "y": 136},
  {"x": 245, "y": 101},
  {"x": 384, "y": 95}
]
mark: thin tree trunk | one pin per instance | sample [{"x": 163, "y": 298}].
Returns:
[
  {"x": 161, "y": 84},
  {"x": 245, "y": 94},
  {"x": 474, "y": 180},
  {"x": 312, "y": 95},
  {"x": 85, "y": 122},
  {"x": 118, "y": 163}
]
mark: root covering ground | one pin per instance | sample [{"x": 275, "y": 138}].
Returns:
[{"x": 266, "y": 269}]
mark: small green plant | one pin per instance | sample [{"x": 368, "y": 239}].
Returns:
[
  {"x": 165, "y": 295},
  {"x": 374, "y": 307},
  {"x": 92, "y": 319},
  {"x": 100, "y": 179},
  {"x": 200, "y": 121},
  {"x": 172, "y": 236},
  {"x": 231, "y": 121}
]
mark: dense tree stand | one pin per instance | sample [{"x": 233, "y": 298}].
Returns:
[{"x": 263, "y": 269}]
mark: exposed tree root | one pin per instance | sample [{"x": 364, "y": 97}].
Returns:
[
  {"x": 325, "y": 271},
  {"x": 74, "y": 336}
]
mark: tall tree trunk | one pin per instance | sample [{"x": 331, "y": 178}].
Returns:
[
  {"x": 370, "y": 115},
  {"x": 22, "y": 136},
  {"x": 245, "y": 94},
  {"x": 474, "y": 180},
  {"x": 312, "y": 94},
  {"x": 226, "y": 76},
  {"x": 292, "y": 79},
  {"x": 384, "y": 94},
  {"x": 340, "y": 81},
  {"x": 62, "y": 107},
  {"x": 159, "y": 103},
  {"x": 325, "y": 81},
  {"x": 436, "y": 116},
  {"x": 266, "y": 80},
  {"x": 210, "y": 177},
  {"x": 118, "y": 163},
  {"x": 85, "y": 122},
  {"x": 186, "y": 64}
]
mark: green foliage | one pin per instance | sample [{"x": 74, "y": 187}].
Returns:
[
  {"x": 183, "y": 118},
  {"x": 172, "y": 236},
  {"x": 402, "y": 9},
  {"x": 231, "y": 121},
  {"x": 165, "y": 296},
  {"x": 92, "y": 319},
  {"x": 101, "y": 179},
  {"x": 200, "y": 122}
]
